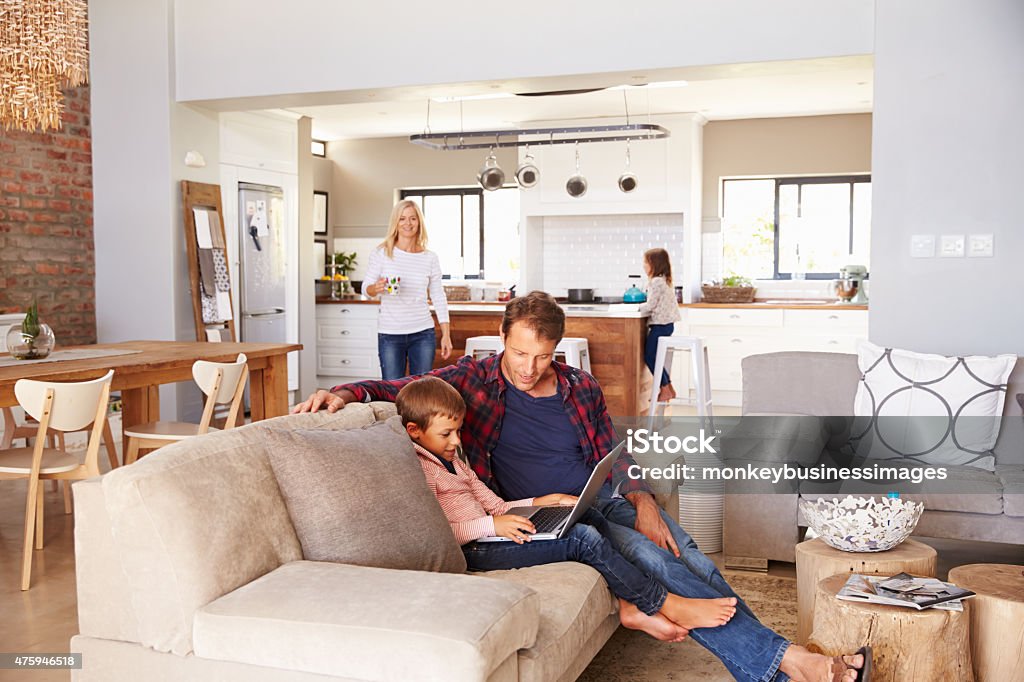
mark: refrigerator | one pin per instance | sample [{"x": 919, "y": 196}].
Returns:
[{"x": 263, "y": 264}]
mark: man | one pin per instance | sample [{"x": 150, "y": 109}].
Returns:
[{"x": 534, "y": 426}]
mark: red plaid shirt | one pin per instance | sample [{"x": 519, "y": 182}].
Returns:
[{"x": 483, "y": 388}]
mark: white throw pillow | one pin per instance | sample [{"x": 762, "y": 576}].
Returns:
[{"x": 929, "y": 408}]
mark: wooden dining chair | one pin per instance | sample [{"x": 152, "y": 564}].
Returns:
[
  {"x": 222, "y": 382},
  {"x": 61, "y": 407}
]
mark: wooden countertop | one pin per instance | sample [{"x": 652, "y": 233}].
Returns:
[{"x": 758, "y": 305}]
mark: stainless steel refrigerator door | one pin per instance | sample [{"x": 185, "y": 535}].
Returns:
[
  {"x": 262, "y": 250},
  {"x": 268, "y": 328}
]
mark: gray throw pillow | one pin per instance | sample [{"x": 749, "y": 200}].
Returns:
[{"x": 358, "y": 496}]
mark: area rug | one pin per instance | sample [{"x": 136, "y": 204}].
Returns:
[{"x": 631, "y": 656}]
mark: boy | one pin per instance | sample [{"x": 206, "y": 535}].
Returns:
[{"x": 432, "y": 413}]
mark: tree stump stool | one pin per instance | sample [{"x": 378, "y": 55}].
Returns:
[
  {"x": 816, "y": 560},
  {"x": 907, "y": 644},
  {"x": 997, "y": 618}
]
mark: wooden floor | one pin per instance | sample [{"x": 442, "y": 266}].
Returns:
[{"x": 43, "y": 619}]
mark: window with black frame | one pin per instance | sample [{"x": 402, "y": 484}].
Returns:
[
  {"x": 793, "y": 227},
  {"x": 474, "y": 233}
]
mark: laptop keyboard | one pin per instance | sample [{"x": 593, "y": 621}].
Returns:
[{"x": 548, "y": 519}]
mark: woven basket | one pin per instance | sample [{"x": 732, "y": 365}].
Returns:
[
  {"x": 456, "y": 292},
  {"x": 714, "y": 294}
]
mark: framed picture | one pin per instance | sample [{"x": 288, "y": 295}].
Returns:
[
  {"x": 320, "y": 212},
  {"x": 320, "y": 256}
]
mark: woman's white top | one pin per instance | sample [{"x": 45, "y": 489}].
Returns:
[
  {"x": 661, "y": 302},
  {"x": 407, "y": 311}
]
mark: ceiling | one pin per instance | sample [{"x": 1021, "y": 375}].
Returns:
[{"x": 793, "y": 88}]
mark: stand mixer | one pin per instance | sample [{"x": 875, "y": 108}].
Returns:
[{"x": 848, "y": 287}]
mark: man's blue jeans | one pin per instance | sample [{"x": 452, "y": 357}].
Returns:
[
  {"x": 395, "y": 349},
  {"x": 751, "y": 651},
  {"x": 583, "y": 543}
]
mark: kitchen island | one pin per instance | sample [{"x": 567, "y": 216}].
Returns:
[{"x": 615, "y": 335}]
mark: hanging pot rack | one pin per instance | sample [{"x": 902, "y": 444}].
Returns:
[{"x": 486, "y": 139}]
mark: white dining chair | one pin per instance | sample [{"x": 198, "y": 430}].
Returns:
[
  {"x": 61, "y": 407},
  {"x": 222, "y": 382}
]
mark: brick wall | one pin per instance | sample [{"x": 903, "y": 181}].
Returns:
[{"x": 46, "y": 239}]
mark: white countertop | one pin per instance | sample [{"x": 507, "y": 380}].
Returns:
[{"x": 571, "y": 309}]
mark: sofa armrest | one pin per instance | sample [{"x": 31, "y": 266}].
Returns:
[
  {"x": 367, "y": 623},
  {"x": 800, "y": 382}
]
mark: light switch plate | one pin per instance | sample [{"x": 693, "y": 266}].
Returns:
[
  {"x": 980, "y": 246},
  {"x": 951, "y": 246},
  {"x": 922, "y": 246}
]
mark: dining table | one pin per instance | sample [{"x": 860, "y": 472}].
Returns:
[{"x": 141, "y": 367}]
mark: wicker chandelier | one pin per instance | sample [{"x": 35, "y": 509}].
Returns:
[{"x": 43, "y": 48}]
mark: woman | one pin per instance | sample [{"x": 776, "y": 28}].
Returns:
[{"x": 406, "y": 329}]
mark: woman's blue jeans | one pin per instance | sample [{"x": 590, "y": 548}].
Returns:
[
  {"x": 583, "y": 543},
  {"x": 655, "y": 332},
  {"x": 750, "y": 651},
  {"x": 395, "y": 350}
]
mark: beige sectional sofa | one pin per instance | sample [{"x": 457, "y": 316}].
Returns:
[
  {"x": 762, "y": 527},
  {"x": 189, "y": 568}
]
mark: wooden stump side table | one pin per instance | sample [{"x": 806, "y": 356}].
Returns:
[
  {"x": 908, "y": 644},
  {"x": 815, "y": 560},
  {"x": 997, "y": 619}
]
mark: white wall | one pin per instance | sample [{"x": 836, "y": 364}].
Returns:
[
  {"x": 230, "y": 49},
  {"x": 946, "y": 159},
  {"x": 139, "y": 136}
]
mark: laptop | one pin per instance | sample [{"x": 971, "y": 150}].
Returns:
[{"x": 553, "y": 523}]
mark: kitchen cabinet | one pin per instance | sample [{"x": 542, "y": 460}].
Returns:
[
  {"x": 733, "y": 333},
  {"x": 346, "y": 341}
]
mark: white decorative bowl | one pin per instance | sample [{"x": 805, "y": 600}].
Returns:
[{"x": 859, "y": 524}]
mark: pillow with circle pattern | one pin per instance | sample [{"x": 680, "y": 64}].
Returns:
[{"x": 930, "y": 409}]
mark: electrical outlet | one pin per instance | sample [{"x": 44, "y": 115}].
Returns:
[
  {"x": 980, "y": 246},
  {"x": 922, "y": 246},
  {"x": 951, "y": 246}
]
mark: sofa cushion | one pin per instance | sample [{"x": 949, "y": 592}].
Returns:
[
  {"x": 574, "y": 601},
  {"x": 197, "y": 519},
  {"x": 369, "y": 623},
  {"x": 935, "y": 409},
  {"x": 359, "y": 497},
  {"x": 778, "y": 438},
  {"x": 1011, "y": 476}
]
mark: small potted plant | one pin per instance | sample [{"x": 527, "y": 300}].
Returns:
[
  {"x": 731, "y": 289},
  {"x": 341, "y": 264},
  {"x": 30, "y": 340}
]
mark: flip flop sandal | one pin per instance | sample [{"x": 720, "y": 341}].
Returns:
[{"x": 839, "y": 666}]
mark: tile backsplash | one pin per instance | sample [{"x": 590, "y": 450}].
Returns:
[{"x": 600, "y": 252}]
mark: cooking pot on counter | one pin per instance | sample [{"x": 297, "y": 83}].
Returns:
[{"x": 581, "y": 295}]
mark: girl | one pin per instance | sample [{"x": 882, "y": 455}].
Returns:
[
  {"x": 406, "y": 329},
  {"x": 661, "y": 303}
]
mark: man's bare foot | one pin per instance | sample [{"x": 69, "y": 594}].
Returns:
[
  {"x": 657, "y": 626},
  {"x": 803, "y": 666},
  {"x": 699, "y": 613}
]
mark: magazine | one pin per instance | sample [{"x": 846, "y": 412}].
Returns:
[{"x": 904, "y": 590}]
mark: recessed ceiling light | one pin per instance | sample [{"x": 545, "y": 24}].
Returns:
[
  {"x": 465, "y": 98},
  {"x": 655, "y": 85}
]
